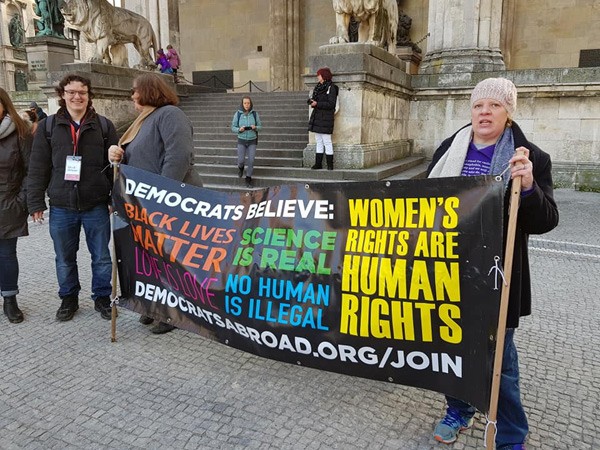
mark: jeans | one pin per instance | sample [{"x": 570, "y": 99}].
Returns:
[
  {"x": 324, "y": 143},
  {"x": 511, "y": 419},
  {"x": 65, "y": 228},
  {"x": 9, "y": 267},
  {"x": 244, "y": 149}
]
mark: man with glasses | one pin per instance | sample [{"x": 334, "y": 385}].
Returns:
[{"x": 69, "y": 160}]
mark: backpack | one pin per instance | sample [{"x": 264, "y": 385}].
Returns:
[
  {"x": 50, "y": 127},
  {"x": 239, "y": 114}
]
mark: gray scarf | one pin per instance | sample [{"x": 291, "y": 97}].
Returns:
[
  {"x": 7, "y": 127},
  {"x": 451, "y": 162}
]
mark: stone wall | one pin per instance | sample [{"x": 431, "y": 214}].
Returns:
[
  {"x": 559, "y": 111},
  {"x": 550, "y": 34}
]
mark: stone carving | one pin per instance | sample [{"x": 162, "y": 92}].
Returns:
[
  {"x": 51, "y": 21},
  {"x": 109, "y": 28},
  {"x": 378, "y": 21},
  {"x": 16, "y": 33},
  {"x": 403, "y": 38}
]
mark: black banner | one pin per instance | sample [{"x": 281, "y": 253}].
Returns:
[{"x": 395, "y": 281}]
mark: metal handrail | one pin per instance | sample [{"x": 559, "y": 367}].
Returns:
[{"x": 249, "y": 84}]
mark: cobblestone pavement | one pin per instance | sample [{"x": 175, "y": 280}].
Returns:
[{"x": 66, "y": 386}]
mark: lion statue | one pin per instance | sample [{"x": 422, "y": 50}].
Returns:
[
  {"x": 378, "y": 21},
  {"x": 109, "y": 28}
]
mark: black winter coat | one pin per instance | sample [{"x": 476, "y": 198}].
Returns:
[
  {"x": 14, "y": 158},
  {"x": 322, "y": 116},
  {"x": 47, "y": 165},
  {"x": 538, "y": 214}
]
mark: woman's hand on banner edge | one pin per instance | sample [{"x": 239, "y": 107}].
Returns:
[{"x": 115, "y": 153}]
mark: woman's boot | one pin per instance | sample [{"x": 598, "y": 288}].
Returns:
[
  {"x": 318, "y": 161},
  {"x": 329, "y": 162},
  {"x": 11, "y": 309}
]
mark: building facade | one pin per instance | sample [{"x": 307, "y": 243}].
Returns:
[{"x": 551, "y": 50}]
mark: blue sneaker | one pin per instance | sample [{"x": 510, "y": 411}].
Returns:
[{"x": 447, "y": 430}]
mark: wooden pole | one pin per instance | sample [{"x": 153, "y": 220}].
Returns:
[
  {"x": 515, "y": 197},
  {"x": 115, "y": 272}
]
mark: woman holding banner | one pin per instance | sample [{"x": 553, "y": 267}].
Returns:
[
  {"x": 159, "y": 141},
  {"x": 494, "y": 144}
]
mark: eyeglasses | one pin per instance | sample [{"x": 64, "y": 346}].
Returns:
[
  {"x": 132, "y": 90},
  {"x": 74, "y": 93}
]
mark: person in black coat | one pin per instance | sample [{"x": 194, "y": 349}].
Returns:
[
  {"x": 39, "y": 112},
  {"x": 489, "y": 145},
  {"x": 323, "y": 101},
  {"x": 15, "y": 145}
]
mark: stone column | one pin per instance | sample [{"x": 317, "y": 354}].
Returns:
[
  {"x": 464, "y": 37},
  {"x": 285, "y": 40}
]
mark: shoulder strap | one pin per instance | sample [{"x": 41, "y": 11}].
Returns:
[
  {"x": 104, "y": 126},
  {"x": 254, "y": 114},
  {"x": 238, "y": 114},
  {"x": 49, "y": 127}
]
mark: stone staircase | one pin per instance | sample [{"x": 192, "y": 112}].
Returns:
[{"x": 279, "y": 157}]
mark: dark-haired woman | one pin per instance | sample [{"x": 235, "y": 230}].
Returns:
[
  {"x": 160, "y": 140},
  {"x": 15, "y": 145},
  {"x": 323, "y": 101},
  {"x": 246, "y": 124}
]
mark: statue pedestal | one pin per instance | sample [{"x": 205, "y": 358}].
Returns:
[
  {"x": 411, "y": 58},
  {"x": 46, "y": 54},
  {"x": 371, "y": 124}
]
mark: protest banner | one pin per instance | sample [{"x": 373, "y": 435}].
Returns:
[{"x": 394, "y": 281}]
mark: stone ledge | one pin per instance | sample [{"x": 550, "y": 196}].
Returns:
[{"x": 521, "y": 78}]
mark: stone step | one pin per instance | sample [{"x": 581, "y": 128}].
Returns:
[
  {"x": 262, "y": 144},
  {"x": 274, "y": 153},
  {"x": 226, "y": 178},
  {"x": 263, "y": 137},
  {"x": 273, "y": 123}
]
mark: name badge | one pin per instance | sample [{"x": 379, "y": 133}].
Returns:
[{"x": 73, "y": 168}]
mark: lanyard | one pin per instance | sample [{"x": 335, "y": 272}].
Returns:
[{"x": 75, "y": 136}]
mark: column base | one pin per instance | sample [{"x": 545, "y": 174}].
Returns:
[{"x": 462, "y": 61}]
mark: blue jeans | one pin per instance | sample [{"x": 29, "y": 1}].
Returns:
[
  {"x": 511, "y": 419},
  {"x": 244, "y": 149},
  {"x": 65, "y": 228},
  {"x": 9, "y": 267}
]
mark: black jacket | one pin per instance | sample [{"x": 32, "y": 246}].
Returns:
[
  {"x": 47, "y": 165},
  {"x": 14, "y": 159},
  {"x": 322, "y": 116},
  {"x": 537, "y": 214}
]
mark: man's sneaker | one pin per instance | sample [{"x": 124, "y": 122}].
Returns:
[
  {"x": 102, "y": 305},
  {"x": 67, "y": 308},
  {"x": 447, "y": 430}
]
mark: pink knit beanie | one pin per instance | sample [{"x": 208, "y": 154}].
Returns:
[{"x": 499, "y": 89}]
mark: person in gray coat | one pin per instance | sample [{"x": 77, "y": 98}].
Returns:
[
  {"x": 15, "y": 147},
  {"x": 160, "y": 140}
]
